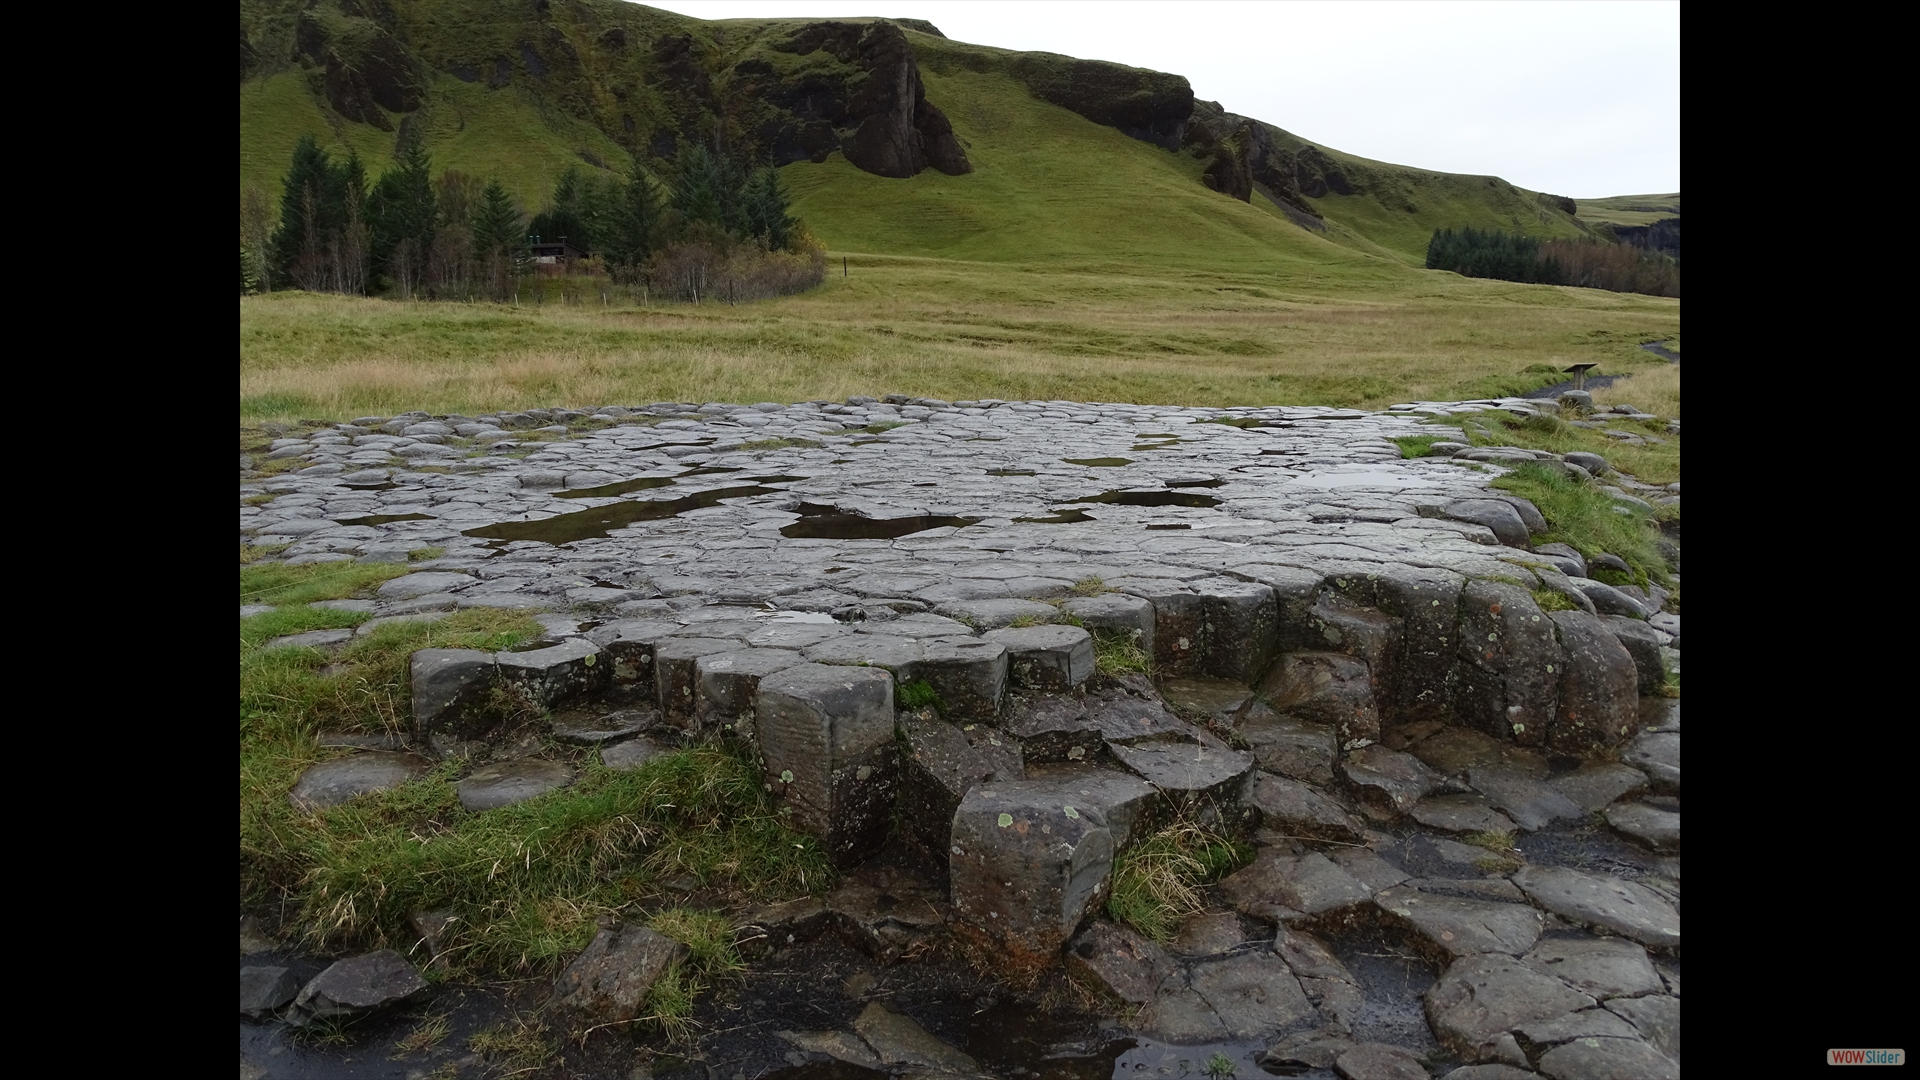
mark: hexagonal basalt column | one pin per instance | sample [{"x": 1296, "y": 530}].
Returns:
[
  {"x": 826, "y": 738},
  {"x": 1599, "y": 701},
  {"x": 629, "y": 644},
  {"x": 557, "y": 675},
  {"x": 727, "y": 686},
  {"x": 1129, "y": 615},
  {"x": 676, "y": 675},
  {"x": 1506, "y": 675},
  {"x": 1046, "y": 657},
  {"x": 1242, "y": 620},
  {"x": 969, "y": 674},
  {"x": 1027, "y": 863},
  {"x": 451, "y": 688}
]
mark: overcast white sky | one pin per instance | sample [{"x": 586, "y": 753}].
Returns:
[{"x": 1577, "y": 99}]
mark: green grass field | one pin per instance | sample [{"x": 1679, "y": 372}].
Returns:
[{"x": 1074, "y": 262}]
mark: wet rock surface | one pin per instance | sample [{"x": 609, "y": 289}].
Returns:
[{"x": 1458, "y": 859}]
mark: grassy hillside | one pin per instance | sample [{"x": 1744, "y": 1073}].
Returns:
[
  {"x": 1630, "y": 209},
  {"x": 1048, "y": 184},
  {"x": 523, "y": 92}
]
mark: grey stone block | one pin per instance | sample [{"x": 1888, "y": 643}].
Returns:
[
  {"x": 826, "y": 736},
  {"x": 1116, "y": 612},
  {"x": 559, "y": 675},
  {"x": 728, "y": 684},
  {"x": 1598, "y": 704},
  {"x": 1027, "y": 863},
  {"x": 1055, "y": 658}
]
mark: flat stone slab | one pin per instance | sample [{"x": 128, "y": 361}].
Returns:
[
  {"x": 1459, "y": 926},
  {"x": 1243, "y": 997},
  {"x": 1531, "y": 803},
  {"x": 899, "y": 1041},
  {"x": 1279, "y": 887},
  {"x": 1188, "y": 769},
  {"x": 359, "y": 985},
  {"x": 1657, "y": 753},
  {"x": 1378, "y": 1061},
  {"x": 1656, "y": 1017},
  {"x": 1292, "y": 748},
  {"x": 590, "y": 727},
  {"x": 508, "y": 782},
  {"x": 995, "y": 614},
  {"x": 311, "y": 639},
  {"x": 630, "y": 754},
  {"x": 1621, "y": 907},
  {"x": 1482, "y": 997},
  {"x": 610, "y": 980},
  {"x": 1393, "y": 777},
  {"x": 1212, "y": 935},
  {"x": 1593, "y": 787},
  {"x": 331, "y": 783},
  {"x": 1206, "y": 697},
  {"x": 1654, "y": 827},
  {"x": 1602, "y": 967},
  {"x": 1295, "y": 809},
  {"x": 1600, "y": 1059},
  {"x": 1460, "y": 814}
]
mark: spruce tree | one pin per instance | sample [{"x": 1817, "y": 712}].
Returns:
[
  {"x": 639, "y": 225},
  {"x": 764, "y": 210},
  {"x": 499, "y": 237},
  {"x": 401, "y": 212},
  {"x": 298, "y": 242}
]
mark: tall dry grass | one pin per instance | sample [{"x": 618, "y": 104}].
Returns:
[
  {"x": 945, "y": 329},
  {"x": 1655, "y": 390}
]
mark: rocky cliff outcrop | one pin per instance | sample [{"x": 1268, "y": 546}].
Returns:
[
  {"x": 1151, "y": 106},
  {"x": 875, "y": 110}
]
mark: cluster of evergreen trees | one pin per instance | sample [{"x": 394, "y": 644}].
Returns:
[
  {"x": 409, "y": 235},
  {"x": 1586, "y": 263}
]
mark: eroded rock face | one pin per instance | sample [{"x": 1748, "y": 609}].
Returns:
[
  {"x": 1028, "y": 859},
  {"x": 883, "y": 122}
]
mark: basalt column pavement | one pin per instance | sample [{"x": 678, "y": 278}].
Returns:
[{"x": 1349, "y": 666}]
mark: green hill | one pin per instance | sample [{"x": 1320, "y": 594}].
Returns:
[
  {"x": 1629, "y": 209},
  {"x": 894, "y": 139}
]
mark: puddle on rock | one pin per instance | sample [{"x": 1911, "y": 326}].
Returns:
[
  {"x": 1125, "y": 497},
  {"x": 602, "y": 520},
  {"x": 1180, "y": 526},
  {"x": 642, "y": 483},
  {"x": 818, "y": 522},
  {"x": 1011, "y": 472},
  {"x": 382, "y": 519},
  {"x": 1099, "y": 462},
  {"x": 1206, "y": 483},
  {"x": 1063, "y": 517}
]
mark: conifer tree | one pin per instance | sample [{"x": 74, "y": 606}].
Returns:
[
  {"x": 401, "y": 211},
  {"x": 298, "y": 243},
  {"x": 499, "y": 238}
]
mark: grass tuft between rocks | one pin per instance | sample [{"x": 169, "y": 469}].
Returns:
[
  {"x": 1156, "y": 881},
  {"x": 1118, "y": 652},
  {"x": 1589, "y": 519}
]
